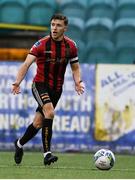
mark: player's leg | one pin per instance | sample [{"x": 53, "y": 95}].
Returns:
[
  {"x": 40, "y": 93},
  {"x": 48, "y": 110},
  {"x": 30, "y": 132}
]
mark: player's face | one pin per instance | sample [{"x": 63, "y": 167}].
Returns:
[{"x": 57, "y": 29}]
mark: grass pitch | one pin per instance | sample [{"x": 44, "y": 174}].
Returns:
[{"x": 69, "y": 166}]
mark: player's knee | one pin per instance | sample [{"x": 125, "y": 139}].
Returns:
[{"x": 49, "y": 114}]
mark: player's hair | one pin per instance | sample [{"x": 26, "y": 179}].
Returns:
[{"x": 60, "y": 17}]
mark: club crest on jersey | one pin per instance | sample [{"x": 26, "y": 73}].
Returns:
[{"x": 37, "y": 44}]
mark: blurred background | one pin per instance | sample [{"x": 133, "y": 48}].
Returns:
[{"x": 104, "y": 31}]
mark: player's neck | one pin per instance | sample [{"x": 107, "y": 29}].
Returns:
[{"x": 57, "y": 39}]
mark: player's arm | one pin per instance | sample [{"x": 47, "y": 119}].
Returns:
[
  {"x": 79, "y": 85},
  {"x": 22, "y": 72}
]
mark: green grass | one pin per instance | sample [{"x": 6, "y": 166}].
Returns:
[{"x": 69, "y": 166}]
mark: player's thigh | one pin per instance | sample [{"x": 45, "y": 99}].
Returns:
[{"x": 40, "y": 94}]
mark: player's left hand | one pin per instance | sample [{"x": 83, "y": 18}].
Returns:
[
  {"x": 15, "y": 88},
  {"x": 79, "y": 87}
]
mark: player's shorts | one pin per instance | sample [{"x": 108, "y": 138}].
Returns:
[{"x": 43, "y": 95}]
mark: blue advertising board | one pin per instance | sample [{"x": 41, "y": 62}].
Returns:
[{"x": 103, "y": 117}]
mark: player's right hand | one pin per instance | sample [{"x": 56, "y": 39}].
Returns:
[{"x": 15, "y": 88}]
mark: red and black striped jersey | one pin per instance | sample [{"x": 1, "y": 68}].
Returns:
[{"x": 52, "y": 58}]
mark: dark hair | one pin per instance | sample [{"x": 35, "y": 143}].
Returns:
[{"x": 60, "y": 17}]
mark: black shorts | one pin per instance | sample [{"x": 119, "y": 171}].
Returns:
[{"x": 43, "y": 95}]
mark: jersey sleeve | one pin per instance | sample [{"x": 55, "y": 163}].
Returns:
[
  {"x": 35, "y": 49},
  {"x": 74, "y": 54}
]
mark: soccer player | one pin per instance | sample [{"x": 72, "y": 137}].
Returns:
[{"x": 51, "y": 54}]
